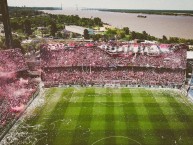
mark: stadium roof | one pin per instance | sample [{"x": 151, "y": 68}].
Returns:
[{"x": 189, "y": 54}]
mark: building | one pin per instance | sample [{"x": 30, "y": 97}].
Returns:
[
  {"x": 190, "y": 47},
  {"x": 79, "y": 29},
  {"x": 189, "y": 55}
]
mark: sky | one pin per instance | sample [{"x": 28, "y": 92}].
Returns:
[{"x": 114, "y": 4}]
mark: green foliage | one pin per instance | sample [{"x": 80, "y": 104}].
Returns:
[
  {"x": 53, "y": 28},
  {"x": 120, "y": 34},
  {"x": 98, "y": 22},
  {"x": 27, "y": 27},
  {"x": 133, "y": 35},
  {"x": 155, "y": 12},
  {"x": 23, "y": 12},
  {"x": 29, "y": 19},
  {"x": 96, "y": 37},
  {"x": 86, "y": 34},
  {"x": 59, "y": 35},
  {"x": 126, "y": 29},
  {"x": 16, "y": 42},
  {"x": 2, "y": 43}
]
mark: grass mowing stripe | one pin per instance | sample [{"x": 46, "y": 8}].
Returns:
[
  {"x": 180, "y": 113},
  {"x": 97, "y": 125},
  {"x": 70, "y": 117},
  {"x": 109, "y": 118},
  {"x": 133, "y": 130},
  {"x": 82, "y": 131},
  {"x": 162, "y": 133},
  {"x": 148, "y": 103},
  {"x": 54, "y": 120},
  {"x": 118, "y": 117},
  {"x": 183, "y": 119}
]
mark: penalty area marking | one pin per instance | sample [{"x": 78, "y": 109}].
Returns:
[{"x": 125, "y": 137}]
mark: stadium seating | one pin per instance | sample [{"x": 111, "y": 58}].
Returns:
[
  {"x": 94, "y": 65},
  {"x": 16, "y": 87}
]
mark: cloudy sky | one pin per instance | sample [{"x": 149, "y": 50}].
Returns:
[{"x": 123, "y": 4}]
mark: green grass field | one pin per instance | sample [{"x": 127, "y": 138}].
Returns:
[{"x": 109, "y": 116}]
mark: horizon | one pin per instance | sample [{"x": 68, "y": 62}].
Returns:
[
  {"x": 100, "y": 8},
  {"x": 109, "y": 4}
]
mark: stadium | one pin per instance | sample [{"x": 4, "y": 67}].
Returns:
[{"x": 96, "y": 93}]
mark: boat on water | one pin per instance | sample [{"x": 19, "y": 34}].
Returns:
[{"x": 141, "y": 16}]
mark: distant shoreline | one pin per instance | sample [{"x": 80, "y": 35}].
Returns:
[{"x": 153, "y": 12}]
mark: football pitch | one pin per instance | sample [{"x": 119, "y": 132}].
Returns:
[{"x": 108, "y": 116}]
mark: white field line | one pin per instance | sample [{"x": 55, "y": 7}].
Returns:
[{"x": 125, "y": 137}]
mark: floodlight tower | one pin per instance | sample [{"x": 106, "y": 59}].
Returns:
[
  {"x": 61, "y": 7},
  {"x": 6, "y": 22}
]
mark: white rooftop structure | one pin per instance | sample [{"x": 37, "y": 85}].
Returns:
[
  {"x": 190, "y": 46},
  {"x": 189, "y": 54},
  {"x": 78, "y": 29}
]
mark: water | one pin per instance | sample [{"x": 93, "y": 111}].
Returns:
[{"x": 156, "y": 25}]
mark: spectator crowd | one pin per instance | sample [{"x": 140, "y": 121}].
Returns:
[
  {"x": 120, "y": 75},
  {"x": 16, "y": 87},
  {"x": 95, "y": 65}
]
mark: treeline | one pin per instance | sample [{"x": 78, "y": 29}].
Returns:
[
  {"x": 20, "y": 23},
  {"x": 23, "y": 12},
  {"x": 156, "y": 12},
  {"x": 28, "y": 20},
  {"x": 175, "y": 40},
  {"x": 127, "y": 35},
  {"x": 123, "y": 34}
]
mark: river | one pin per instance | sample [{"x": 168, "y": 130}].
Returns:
[{"x": 155, "y": 25}]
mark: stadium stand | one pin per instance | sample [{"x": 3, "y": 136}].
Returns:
[
  {"x": 137, "y": 65},
  {"x": 16, "y": 86}
]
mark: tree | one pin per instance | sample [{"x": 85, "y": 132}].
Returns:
[
  {"x": 133, "y": 35},
  {"x": 53, "y": 29},
  {"x": 16, "y": 43},
  {"x": 86, "y": 34},
  {"x": 59, "y": 35},
  {"x": 164, "y": 39},
  {"x": 111, "y": 32},
  {"x": 144, "y": 35},
  {"x": 127, "y": 31},
  {"x": 97, "y": 21},
  {"x": 96, "y": 37},
  {"x": 120, "y": 34},
  {"x": 174, "y": 40},
  {"x": 27, "y": 27},
  {"x": 2, "y": 43}
]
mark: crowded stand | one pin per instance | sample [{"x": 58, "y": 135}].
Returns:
[
  {"x": 12, "y": 60},
  {"x": 16, "y": 86},
  {"x": 121, "y": 75},
  {"x": 128, "y": 64},
  {"x": 53, "y": 56}
]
